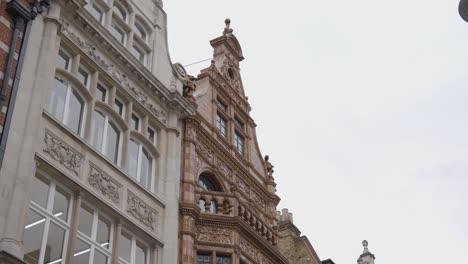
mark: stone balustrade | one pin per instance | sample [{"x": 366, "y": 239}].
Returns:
[
  {"x": 216, "y": 203},
  {"x": 263, "y": 229}
]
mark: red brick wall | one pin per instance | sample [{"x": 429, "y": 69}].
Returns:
[{"x": 6, "y": 32}]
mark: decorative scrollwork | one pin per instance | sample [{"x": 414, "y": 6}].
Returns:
[
  {"x": 216, "y": 235},
  {"x": 141, "y": 211},
  {"x": 62, "y": 153},
  {"x": 105, "y": 184}
]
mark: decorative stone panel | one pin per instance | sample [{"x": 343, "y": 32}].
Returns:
[
  {"x": 215, "y": 235},
  {"x": 62, "y": 153},
  {"x": 104, "y": 183},
  {"x": 141, "y": 211}
]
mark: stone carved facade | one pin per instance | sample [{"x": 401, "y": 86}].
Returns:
[
  {"x": 233, "y": 192},
  {"x": 105, "y": 184},
  {"x": 215, "y": 235},
  {"x": 62, "y": 153},
  {"x": 141, "y": 211}
]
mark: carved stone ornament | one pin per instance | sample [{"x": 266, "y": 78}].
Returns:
[
  {"x": 249, "y": 250},
  {"x": 224, "y": 170},
  {"x": 141, "y": 211},
  {"x": 62, "y": 153},
  {"x": 216, "y": 235},
  {"x": 205, "y": 152},
  {"x": 257, "y": 200},
  {"x": 116, "y": 74},
  {"x": 229, "y": 71},
  {"x": 105, "y": 184}
]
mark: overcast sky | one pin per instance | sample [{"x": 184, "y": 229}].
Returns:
[{"x": 362, "y": 106}]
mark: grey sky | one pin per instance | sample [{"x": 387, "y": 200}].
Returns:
[{"x": 362, "y": 107}]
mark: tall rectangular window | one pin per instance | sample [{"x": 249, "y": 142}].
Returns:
[
  {"x": 119, "y": 106},
  {"x": 83, "y": 76},
  {"x": 96, "y": 12},
  {"x": 132, "y": 249},
  {"x": 48, "y": 222},
  {"x": 101, "y": 92},
  {"x": 239, "y": 143},
  {"x": 221, "y": 125},
  {"x": 118, "y": 33},
  {"x": 63, "y": 60},
  {"x": 135, "y": 122}
]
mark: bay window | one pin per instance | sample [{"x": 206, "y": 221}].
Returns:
[{"x": 66, "y": 105}]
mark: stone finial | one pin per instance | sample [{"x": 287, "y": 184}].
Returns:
[
  {"x": 365, "y": 244},
  {"x": 228, "y": 29}
]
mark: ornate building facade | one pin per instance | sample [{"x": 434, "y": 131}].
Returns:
[
  {"x": 228, "y": 201},
  {"x": 91, "y": 172}
]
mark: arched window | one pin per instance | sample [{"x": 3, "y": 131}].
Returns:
[
  {"x": 120, "y": 11},
  {"x": 106, "y": 136},
  {"x": 206, "y": 183},
  {"x": 140, "y": 163},
  {"x": 66, "y": 105}
]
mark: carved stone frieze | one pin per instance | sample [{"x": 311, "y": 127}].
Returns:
[
  {"x": 215, "y": 235},
  {"x": 257, "y": 200},
  {"x": 62, "y": 153},
  {"x": 105, "y": 184},
  {"x": 141, "y": 211},
  {"x": 205, "y": 152},
  {"x": 116, "y": 74},
  {"x": 249, "y": 250},
  {"x": 242, "y": 186},
  {"x": 224, "y": 170}
]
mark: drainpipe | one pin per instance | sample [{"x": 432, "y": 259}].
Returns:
[{"x": 21, "y": 15}]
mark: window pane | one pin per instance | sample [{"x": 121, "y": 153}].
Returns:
[
  {"x": 135, "y": 122},
  {"x": 61, "y": 202},
  {"x": 54, "y": 247},
  {"x": 113, "y": 137},
  {"x": 101, "y": 93},
  {"x": 118, "y": 107},
  {"x": 203, "y": 259},
  {"x": 201, "y": 203},
  {"x": 151, "y": 135},
  {"x": 223, "y": 260},
  {"x": 99, "y": 258},
  {"x": 81, "y": 252},
  {"x": 57, "y": 98},
  {"x": 133, "y": 158},
  {"x": 120, "y": 11},
  {"x": 40, "y": 191},
  {"x": 117, "y": 33},
  {"x": 63, "y": 60},
  {"x": 125, "y": 246},
  {"x": 145, "y": 172},
  {"x": 96, "y": 12},
  {"x": 75, "y": 111},
  {"x": 140, "y": 254},
  {"x": 32, "y": 239},
  {"x": 138, "y": 53},
  {"x": 139, "y": 31},
  {"x": 86, "y": 220},
  {"x": 103, "y": 232},
  {"x": 83, "y": 76},
  {"x": 221, "y": 125},
  {"x": 98, "y": 129}
]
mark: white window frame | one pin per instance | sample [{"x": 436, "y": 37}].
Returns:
[
  {"x": 139, "y": 159},
  {"x": 137, "y": 47},
  {"x": 117, "y": 4},
  {"x": 134, "y": 240},
  {"x": 49, "y": 217},
  {"x": 139, "y": 26},
  {"x": 118, "y": 27},
  {"x": 139, "y": 122},
  {"x": 70, "y": 59},
  {"x": 66, "y": 109},
  {"x": 88, "y": 72},
  {"x": 93, "y": 3},
  {"x": 102, "y": 149},
  {"x": 106, "y": 92},
  {"x": 94, "y": 245},
  {"x": 239, "y": 141},
  {"x": 223, "y": 131},
  {"x": 155, "y": 134},
  {"x": 117, "y": 99}
]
